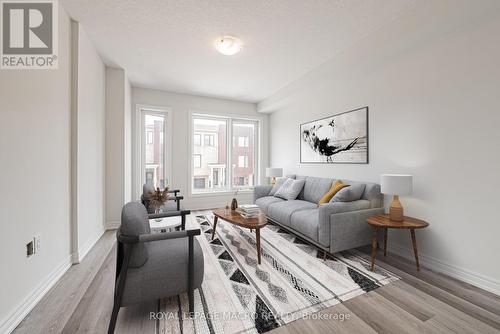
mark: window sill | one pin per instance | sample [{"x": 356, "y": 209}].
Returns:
[{"x": 246, "y": 191}]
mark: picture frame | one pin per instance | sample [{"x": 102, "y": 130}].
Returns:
[{"x": 341, "y": 138}]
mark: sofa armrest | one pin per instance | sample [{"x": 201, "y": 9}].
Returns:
[
  {"x": 261, "y": 191},
  {"x": 328, "y": 209},
  {"x": 350, "y": 229}
]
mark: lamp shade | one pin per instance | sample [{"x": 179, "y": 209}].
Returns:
[
  {"x": 396, "y": 184},
  {"x": 274, "y": 172}
]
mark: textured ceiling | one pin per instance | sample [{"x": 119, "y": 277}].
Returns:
[{"x": 168, "y": 45}]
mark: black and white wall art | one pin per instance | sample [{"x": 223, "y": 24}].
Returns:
[{"x": 341, "y": 138}]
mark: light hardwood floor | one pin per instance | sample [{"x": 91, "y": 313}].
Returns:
[{"x": 423, "y": 302}]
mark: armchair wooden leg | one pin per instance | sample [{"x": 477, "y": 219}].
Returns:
[
  {"x": 119, "y": 288},
  {"x": 191, "y": 276},
  {"x": 183, "y": 222},
  {"x": 114, "y": 316}
]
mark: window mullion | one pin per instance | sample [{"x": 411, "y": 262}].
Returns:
[{"x": 229, "y": 156}]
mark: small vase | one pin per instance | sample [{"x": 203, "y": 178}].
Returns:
[
  {"x": 234, "y": 204},
  {"x": 158, "y": 210}
]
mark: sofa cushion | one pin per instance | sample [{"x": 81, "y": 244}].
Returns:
[
  {"x": 282, "y": 211},
  {"x": 372, "y": 193},
  {"x": 315, "y": 188},
  {"x": 165, "y": 273},
  {"x": 277, "y": 185},
  {"x": 264, "y": 202},
  {"x": 306, "y": 222},
  {"x": 290, "y": 189},
  {"x": 350, "y": 193},
  {"x": 336, "y": 187}
]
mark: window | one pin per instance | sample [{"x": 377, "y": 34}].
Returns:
[
  {"x": 199, "y": 183},
  {"x": 244, "y": 153},
  {"x": 209, "y": 140},
  {"x": 212, "y": 162},
  {"x": 197, "y": 161},
  {"x": 243, "y": 161},
  {"x": 197, "y": 140},
  {"x": 217, "y": 164},
  {"x": 152, "y": 150},
  {"x": 243, "y": 141}
]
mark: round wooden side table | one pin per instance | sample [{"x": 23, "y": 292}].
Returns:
[{"x": 383, "y": 222}]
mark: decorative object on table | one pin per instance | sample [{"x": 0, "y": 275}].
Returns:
[
  {"x": 173, "y": 204},
  {"x": 157, "y": 199},
  {"x": 249, "y": 210},
  {"x": 396, "y": 185},
  {"x": 273, "y": 173},
  {"x": 384, "y": 222},
  {"x": 234, "y": 202},
  {"x": 341, "y": 138}
]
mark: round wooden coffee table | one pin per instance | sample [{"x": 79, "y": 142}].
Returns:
[
  {"x": 235, "y": 218},
  {"x": 383, "y": 222}
]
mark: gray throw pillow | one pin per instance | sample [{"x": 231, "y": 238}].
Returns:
[
  {"x": 290, "y": 189},
  {"x": 349, "y": 194},
  {"x": 279, "y": 182}
]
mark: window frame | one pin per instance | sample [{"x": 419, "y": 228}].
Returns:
[
  {"x": 140, "y": 137},
  {"x": 258, "y": 121}
]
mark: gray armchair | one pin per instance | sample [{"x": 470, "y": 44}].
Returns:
[{"x": 153, "y": 266}]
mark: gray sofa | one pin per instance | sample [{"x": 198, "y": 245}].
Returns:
[{"x": 334, "y": 226}]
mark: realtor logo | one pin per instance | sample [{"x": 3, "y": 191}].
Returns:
[{"x": 29, "y": 34}]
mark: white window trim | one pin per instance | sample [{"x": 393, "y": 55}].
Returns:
[
  {"x": 138, "y": 174},
  {"x": 257, "y": 146}
]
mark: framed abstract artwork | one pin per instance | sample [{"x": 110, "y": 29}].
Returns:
[{"x": 341, "y": 138}]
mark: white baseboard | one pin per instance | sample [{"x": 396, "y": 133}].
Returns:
[
  {"x": 10, "y": 322},
  {"x": 112, "y": 225},
  {"x": 481, "y": 281},
  {"x": 87, "y": 246}
]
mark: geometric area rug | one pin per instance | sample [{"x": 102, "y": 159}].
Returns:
[{"x": 292, "y": 282}]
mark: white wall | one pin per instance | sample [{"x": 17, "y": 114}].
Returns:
[
  {"x": 90, "y": 164},
  {"x": 431, "y": 80},
  {"x": 35, "y": 179},
  {"x": 181, "y": 105},
  {"x": 118, "y": 134}
]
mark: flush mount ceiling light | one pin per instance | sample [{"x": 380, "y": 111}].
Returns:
[{"x": 228, "y": 45}]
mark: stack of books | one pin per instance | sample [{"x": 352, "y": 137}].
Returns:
[{"x": 249, "y": 210}]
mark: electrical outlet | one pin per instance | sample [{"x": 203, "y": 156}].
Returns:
[
  {"x": 38, "y": 243},
  {"x": 30, "y": 249}
]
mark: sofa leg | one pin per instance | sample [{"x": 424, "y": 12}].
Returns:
[{"x": 324, "y": 255}]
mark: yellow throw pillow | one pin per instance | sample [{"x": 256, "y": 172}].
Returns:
[{"x": 333, "y": 190}]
